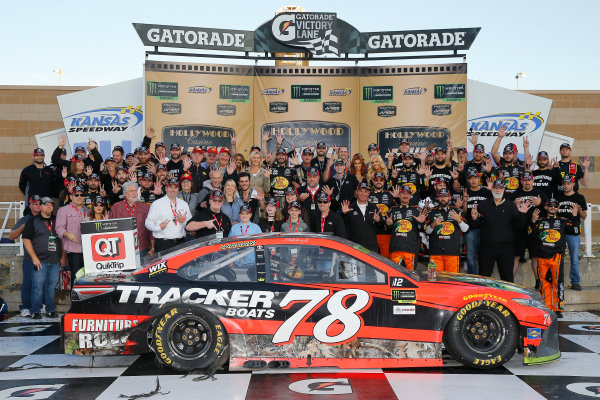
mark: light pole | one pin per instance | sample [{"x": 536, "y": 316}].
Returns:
[
  {"x": 59, "y": 72},
  {"x": 520, "y": 75}
]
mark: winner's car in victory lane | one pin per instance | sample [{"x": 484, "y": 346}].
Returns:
[{"x": 303, "y": 300}]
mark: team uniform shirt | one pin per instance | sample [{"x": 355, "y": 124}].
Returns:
[
  {"x": 301, "y": 171},
  {"x": 398, "y": 162},
  {"x": 471, "y": 165},
  {"x": 88, "y": 198},
  {"x": 343, "y": 189},
  {"x": 476, "y": 197},
  {"x": 441, "y": 173},
  {"x": 549, "y": 235},
  {"x": 361, "y": 225},
  {"x": 522, "y": 195},
  {"x": 282, "y": 177},
  {"x": 384, "y": 202},
  {"x": 141, "y": 170},
  {"x": 221, "y": 221},
  {"x": 405, "y": 229},
  {"x": 332, "y": 223},
  {"x": 546, "y": 180},
  {"x": 569, "y": 168},
  {"x": 149, "y": 197},
  {"x": 411, "y": 178},
  {"x": 175, "y": 167},
  {"x": 320, "y": 164},
  {"x": 564, "y": 210},
  {"x": 34, "y": 180},
  {"x": 163, "y": 209},
  {"x": 511, "y": 173},
  {"x": 199, "y": 175},
  {"x": 240, "y": 229},
  {"x": 445, "y": 237}
]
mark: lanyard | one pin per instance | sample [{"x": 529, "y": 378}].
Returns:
[
  {"x": 219, "y": 222},
  {"x": 297, "y": 226},
  {"x": 272, "y": 224},
  {"x": 49, "y": 227},
  {"x": 78, "y": 212},
  {"x": 131, "y": 212},
  {"x": 323, "y": 222},
  {"x": 246, "y": 231},
  {"x": 174, "y": 211},
  {"x": 312, "y": 195}
]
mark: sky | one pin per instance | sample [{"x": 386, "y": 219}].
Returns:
[{"x": 94, "y": 43}]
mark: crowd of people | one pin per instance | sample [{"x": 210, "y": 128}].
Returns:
[{"x": 439, "y": 203}]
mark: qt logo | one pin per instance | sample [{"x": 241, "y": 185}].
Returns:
[{"x": 108, "y": 247}]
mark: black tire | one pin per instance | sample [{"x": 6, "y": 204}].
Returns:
[
  {"x": 482, "y": 334},
  {"x": 188, "y": 338}
]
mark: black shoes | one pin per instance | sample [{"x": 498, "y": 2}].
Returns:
[
  {"x": 537, "y": 284},
  {"x": 576, "y": 286},
  {"x": 36, "y": 315},
  {"x": 559, "y": 314},
  {"x": 52, "y": 314}
]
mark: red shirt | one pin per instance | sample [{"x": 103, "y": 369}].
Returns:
[{"x": 122, "y": 210}]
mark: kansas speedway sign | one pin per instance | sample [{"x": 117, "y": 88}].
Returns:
[{"x": 318, "y": 33}]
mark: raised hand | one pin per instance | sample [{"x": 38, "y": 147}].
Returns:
[
  {"x": 575, "y": 209},
  {"x": 64, "y": 172},
  {"x": 230, "y": 168},
  {"x": 187, "y": 164},
  {"x": 152, "y": 168},
  {"x": 150, "y": 133},
  {"x": 327, "y": 190},
  {"x": 91, "y": 144},
  {"x": 461, "y": 166},
  {"x": 303, "y": 196},
  {"x": 428, "y": 171},
  {"x": 395, "y": 191},
  {"x": 233, "y": 138},
  {"x": 454, "y": 173},
  {"x": 265, "y": 136},
  {"x": 157, "y": 188},
  {"x": 180, "y": 217},
  {"x": 102, "y": 191},
  {"x": 585, "y": 164},
  {"x": 164, "y": 224},
  {"x": 133, "y": 176},
  {"x": 62, "y": 139},
  {"x": 455, "y": 216},
  {"x": 376, "y": 215},
  {"x": 537, "y": 201},
  {"x": 487, "y": 165},
  {"x": 394, "y": 173},
  {"x": 437, "y": 221},
  {"x": 270, "y": 158},
  {"x": 163, "y": 160},
  {"x": 267, "y": 172},
  {"x": 473, "y": 138},
  {"x": 502, "y": 131},
  {"x": 536, "y": 215},
  {"x": 279, "y": 139},
  {"x": 524, "y": 206},
  {"x": 459, "y": 201},
  {"x": 116, "y": 187},
  {"x": 346, "y": 207}
]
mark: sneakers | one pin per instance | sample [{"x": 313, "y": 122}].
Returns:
[
  {"x": 52, "y": 314},
  {"x": 576, "y": 286},
  {"x": 43, "y": 311},
  {"x": 559, "y": 314},
  {"x": 36, "y": 315},
  {"x": 25, "y": 313}
]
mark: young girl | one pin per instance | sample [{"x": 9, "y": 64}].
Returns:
[
  {"x": 99, "y": 211},
  {"x": 270, "y": 219}
]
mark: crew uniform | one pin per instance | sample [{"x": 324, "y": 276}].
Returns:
[
  {"x": 472, "y": 236},
  {"x": 549, "y": 234},
  {"x": 511, "y": 173},
  {"x": 405, "y": 240},
  {"x": 546, "y": 179},
  {"x": 384, "y": 202},
  {"x": 409, "y": 176},
  {"x": 282, "y": 177},
  {"x": 569, "y": 168}
]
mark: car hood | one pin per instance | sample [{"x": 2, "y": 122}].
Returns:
[{"x": 477, "y": 280}]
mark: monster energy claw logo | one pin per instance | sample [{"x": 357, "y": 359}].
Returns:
[
  {"x": 98, "y": 226},
  {"x": 162, "y": 89},
  {"x": 235, "y": 93}
]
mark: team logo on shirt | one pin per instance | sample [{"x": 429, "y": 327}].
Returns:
[
  {"x": 512, "y": 183},
  {"x": 280, "y": 182},
  {"x": 403, "y": 226},
  {"x": 413, "y": 188},
  {"x": 445, "y": 228},
  {"x": 550, "y": 236},
  {"x": 383, "y": 209}
]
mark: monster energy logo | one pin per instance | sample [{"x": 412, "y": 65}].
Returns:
[
  {"x": 450, "y": 92},
  {"x": 378, "y": 94},
  {"x": 162, "y": 90},
  {"x": 98, "y": 226},
  {"x": 235, "y": 93},
  {"x": 306, "y": 93}
]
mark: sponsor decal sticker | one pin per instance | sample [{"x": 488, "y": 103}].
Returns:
[
  {"x": 226, "y": 110},
  {"x": 332, "y": 107},
  {"x": 278, "y": 107},
  {"x": 441, "y": 110},
  {"x": 108, "y": 247},
  {"x": 315, "y": 31},
  {"x": 450, "y": 92},
  {"x": 322, "y": 386},
  {"x": 31, "y": 392},
  {"x": 171, "y": 108},
  {"x": 590, "y": 389},
  {"x": 340, "y": 92},
  {"x": 235, "y": 93},
  {"x": 200, "y": 89},
  {"x": 534, "y": 333},
  {"x": 484, "y": 296},
  {"x": 272, "y": 91},
  {"x": 109, "y": 119},
  {"x": 586, "y": 327},
  {"x": 415, "y": 91},
  {"x": 404, "y": 296},
  {"x": 386, "y": 111},
  {"x": 378, "y": 94},
  {"x": 162, "y": 90},
  {"x": 306, "y": 93},
  {"x": 157, "y": 268},
  {"x": 238, "y": 244},
  {"x": 404, "y": 310},
  {"x": 517, "y": 124}
]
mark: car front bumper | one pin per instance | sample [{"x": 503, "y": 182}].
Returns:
[{"x": 544, "y": 350}]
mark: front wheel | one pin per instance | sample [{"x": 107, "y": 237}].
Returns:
[
  {"x": 188, "y": 338},
  {"x": 482, "y": 334}
]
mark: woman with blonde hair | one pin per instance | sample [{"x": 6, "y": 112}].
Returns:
[
  {"x": 231, "y": 201},
  {"x": 376, "y": 165},
  {"x": 260, "y": 178}
]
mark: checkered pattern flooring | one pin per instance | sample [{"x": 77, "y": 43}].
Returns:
[{"x": 22, "y": 341}]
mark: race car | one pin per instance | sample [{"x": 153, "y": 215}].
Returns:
[{"x": 303, "y": 300}]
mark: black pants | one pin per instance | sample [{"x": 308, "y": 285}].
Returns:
[
  {"x": 503, "y": 255},
  {"x": 75, "y": 264},
  {"x": 166, "y": 244}
]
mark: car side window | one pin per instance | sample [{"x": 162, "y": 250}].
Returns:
[
  {"x": 314, "y": 264},
  {"x": 230, "y": 265}
]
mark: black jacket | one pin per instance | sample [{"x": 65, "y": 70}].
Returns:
[
  {"x": 362, "y": 227},
  {"x": 496, "y": 223},
  {"x": 332, "y": 224},
  {"x": 95, "y": 163},
  {"x": 34, "y": 180}
]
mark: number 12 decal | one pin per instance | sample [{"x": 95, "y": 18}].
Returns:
[{"x": 348, "y": 316}]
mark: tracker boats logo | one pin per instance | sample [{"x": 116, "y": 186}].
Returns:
[
  {"x": 171, "y": 108},
  {"x": 278, "y": 107},
  {"x": 109, "y": 119},
  {"x": 315, "y": 31},
  {"x": 332, "y": 107},
  {"x": 517, "y": 124}
]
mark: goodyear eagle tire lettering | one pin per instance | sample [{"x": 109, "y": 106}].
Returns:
[
  {"x": 483, "y": 334},
  {"x": 187, "y": 338}
]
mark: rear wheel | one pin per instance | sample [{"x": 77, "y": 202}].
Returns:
[
  {"x": 482, "y": 334},
  {"x": 187, "y": 338}
]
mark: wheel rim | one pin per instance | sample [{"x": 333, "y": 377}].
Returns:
[
  {"x": 190, "y": 338},
  {"x": 484, "y": 331}
]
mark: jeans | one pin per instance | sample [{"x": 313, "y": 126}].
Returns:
[
  {"x": 28, "y": 270},
  {"x": 75, "y": 264},
  {"x": 472, "y": 241},
  {"x": 44, "y": 285},
  {"x": 573, "y": 242}
]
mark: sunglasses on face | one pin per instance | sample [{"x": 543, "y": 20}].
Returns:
[
  {"x": 323, "y": 202},
  {"x": 77, "y": 195},
  {"x": 99, "y": 205},
  {"x": 552, "y": 206}
]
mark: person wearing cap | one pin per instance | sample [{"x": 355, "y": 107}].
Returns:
[
  {"x": 210, "y": 220},
  {"x": 98, "y": 210},
  {"x": 160, "y": 154},
  {"x": 225, "y": 165},
  {"x": 245, "y": 227},
  {"x": 302, "y": 168},
  {"x": 308, "y": 194},
  {"x": 444, "y": 226},
  {"x": 404, "y": 222},
  {"x": 116, "y": 187},
  {"x": 149, "y": 191},
  {"x": 250, "y": 196},
  {"x": 549, "y": 235},
  {"x": 271, "y": 218},
  {"x": 294, "y": 222},
  {"x": 321, "y": 160},
  {"x": 44, "y": 255},
  {"x": 358, "y": 217},
  {"x": 537, "y": 198},
  {"x": 162, "y": 175},
  {"x": 325, "y": 220},
  {"x": 441, "y": 169},
  {"x": 132, "y": 207},
  {"x": 341, "y": 186},
  {"x": 372, "y": 150},
  {"x": 93, "y": 190},
  {"x": 212, "y": 155},
  {"x": 497, "y": 218},
  {"x": 567, "y": 167},
  {"x": 479, "y": 163},
  {"x": 395, "y": 160},
  {"x": 33, "y": 210},
  {"x": 167, "y": 218},
  {"x": 473, "y": 194},
  {"x": 282, "y": 175},
  {"x": 37, "y": 178},
  {"x": 260, "y": 178},
  {"x": 545, "y": 177},
  {"x": 573, "y": 207},
  {"x": 93, "y": 158},
  {"x": 510, "y": 168},
  {"x": 188, "y": 192},
  {"x": 198, "y": 172},
  {"x": 215, "y": 182},
  {"x": 144, "y": 165},
  {"x": 384, "y": 201},
  {"x": 175, "y": 163},
  {"x": 406, "y": 174},
  {"x": 118, "y": 154},
  {"x": 338, "y": 153},
  {"x": 68, "y": 220}
]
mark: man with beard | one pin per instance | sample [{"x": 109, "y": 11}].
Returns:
[
  {"x": 358, "y": 217},
  {"x": 444, "y": 224},
  {"x": 210, "y": 220},
  {"x": 150, "y": 192},
  {"x": 573, "y": 207},
  {"x": 472, "y": 196},
  {"x": 383, "y": 200},
  {"x": 441, "y": 169},
  {"x": 544, "y": 177},
  {"x": 93, "y": 190},
  {"x": 144, "y": 164},
  {"x": 249, "y": 196},
  {"x": 302, "y": 169},
  {"x": 482, "y": 165},
  {"x": 198, "y": 172},
  {"x": 282, "y": 175},
  {"x": 211, "y": 158},
  {"x": 509, "y": 168},
  {"x": 320, "y": 161},
  {"x": 327, "y": 221},
  {"x": 160, "y": 154},
  {"x": 497, "y": 218},
  {"x": 568, "y": 167},
  {"x": 116, "y": 192},
  {"x": 175, "y": 164},
  {"x": 118, "y": 154},
  {"x": 215, "y": 183},
  {"x": 406, "y": 174},
  {"x": 404, "y": 221},
  {"x": 308, "y": 194},
  {"x": 549, "y": 234},
  {"x": 537, "y": 199},
  {"x": 68, "y": 221},
  {"x": 396, "y": 161},
  {"x": 36, "y": 178},
  {"x": 340, "y": 187}
]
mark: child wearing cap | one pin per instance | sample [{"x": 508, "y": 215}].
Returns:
[
  {"x": 245, "y": 227},
  {"x": 294, "y": 222}
]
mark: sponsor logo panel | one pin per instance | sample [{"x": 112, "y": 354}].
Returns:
[
  {"x": 340, "y": 92},
  {"x": 108, "y": 119},
  {"x": 404, "y": 310},
  {"x": 415, "y": 91},
  {"x": 421, "y": 137},
  {"x": 386, "y": 111},
  {"x": 517, "y": 124},
  {"x": 378, "y": 94},
  {"x": 332, "y": 107},
  {"x": 302, "y": 134},
  {"x": 306, "y": 93},
  {"x": 226, "y": 110},
  {"x": 404, "y": 296},
  {"x": 190, "y": 136},
  {"x": 201, "y": 89},
  {"x": 272, "y": 91},
  {"x": 235, "y": 93},
  {"x": 162, "y": 90},
  {"x": 450, "y": 92},
  {"x": 278, "y": 107},
  {"x": 441, "y": 110},
  {"x": 315, "y": 31},
  {"x": 108, "y": 247},
  {"x": 171, "y": 108}
]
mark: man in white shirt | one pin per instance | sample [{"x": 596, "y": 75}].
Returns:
[{"x": 167, "y": 218}]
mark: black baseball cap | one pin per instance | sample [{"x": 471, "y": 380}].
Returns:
[
  {"x": 129, "y": 155},
  {"x": 36, "y": 198},
  {"x": 313, "y": 171},
  {"x": 119, "y": 148},
  {"x": 173, "y": 181},
  {"x": 159, "y": 144},
  {"x": 443, "y": 192},
  {"x": 307, "y": 150},
  {"x": 321, "y": 145},
  {"x": 79, "y": 148},
  {"x": 338, "y": 161},
  {"x": 39, "y": 152},
  {"x": 323, "y": 197},
  {"x": 148, "y": 176},
  {"x": 542, "y": 154},
  {"x": 273, "y": 201},
  {"x": 404, "y": 141},
  {"x": 527, "y": 176},
  {"x": 373, "y": 146},
  {"x": 295, "y": 204},
  {"x": 362, "y": 185},
  {"x": 109, "y": 159},
  {"x": 78, "y": 188},
  {"x": 281, "y": 150},
  {"x": 46, "y": 200},
  {"x": 246, "y": 207},
  {"x": 440, "y": 149},
  {"x": 290, "y": 190},
  {"x": 406, "y": 188},
  {"x": 479, "y": 147},
  {"x": 99, "y": 200},
  {"x": 552, "y": 200},
  {"x": 175, "y": 146},
  {"x": 121, "y": 168},
  {"x": 161, "y": 166},
  {"x": 498, "y": 183},
  {"x": 461, "y": 149},
  {"x": 569, "y": 178},
  {"x": 216, "y": 194},
  {"x": 408, "y": 155},
  {"x": 567, "y": 145},
  {"x": 472, "y": 172},
  {"x": 379, "y": 175},
  {"x": 93, "y": 176},
  {"x": 510, "y": 148},
  {"x": 143, "y": 149}
]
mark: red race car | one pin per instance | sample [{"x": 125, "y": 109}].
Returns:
[{"x": 303, "y": 300}]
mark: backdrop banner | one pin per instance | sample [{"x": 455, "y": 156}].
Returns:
[{"x": 204, "y": 105}]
